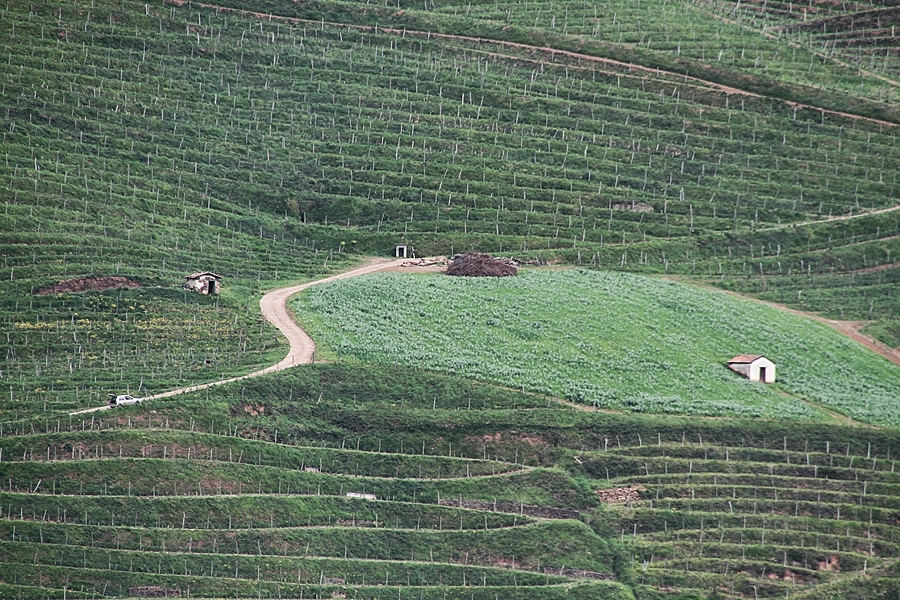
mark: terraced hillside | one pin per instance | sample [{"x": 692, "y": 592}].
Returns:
[
  {"x": 861, "y": 35},
  {"x": 248, "y": 499},
  {"x": 270, "y": 127},
  {"x": 476, "y": 491},
  {"x": 751, "y": 145},
  {"x": 783, "y": 43},
  {"x": 757, "y": 517},
  {"x": 150, "y": 141},
  {"x": 118, "y": 151}
]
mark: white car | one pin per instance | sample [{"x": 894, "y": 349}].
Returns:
[{"x": 124, "y": 400}]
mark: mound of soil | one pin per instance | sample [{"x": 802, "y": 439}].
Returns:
[
  {"x": 88, "y": 284},
  {"x": 477, "y": 264}
]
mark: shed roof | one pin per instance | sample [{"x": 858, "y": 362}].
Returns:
[
  {"x": 202, "y": 274},
  {"x": 745, "y": 358}
]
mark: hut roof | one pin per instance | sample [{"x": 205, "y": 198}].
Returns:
[
  {"x": 745, "y": 358},
  {"x": 203, "y": 274}
]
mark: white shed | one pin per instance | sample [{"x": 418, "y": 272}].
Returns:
[{"x": 754, "y": 367}]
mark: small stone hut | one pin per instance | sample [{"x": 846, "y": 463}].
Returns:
[
  {"x": 205, "y": 282},
  {"x": 403, "y": 251},
  {"x": 754, "y": 367}
]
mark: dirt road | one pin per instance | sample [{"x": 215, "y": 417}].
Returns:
[
  {"x": 274, "y": 308},
  {"x": 848, "y": 328}
]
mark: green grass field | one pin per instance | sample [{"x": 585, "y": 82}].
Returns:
[{"x": 611, "y": 340}]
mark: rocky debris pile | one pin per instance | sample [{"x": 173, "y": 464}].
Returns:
[
  {"x": 71, "y": 286},
  {"x": 478, "y": 264},
  {"x": 622, "y": 494},
  {"x": 545, "y": 512},
  {"x": 434, "y": 261},
  {"x": 633, "y": 206}
]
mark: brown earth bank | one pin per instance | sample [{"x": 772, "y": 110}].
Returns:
[{"x": 86, "y": 284}]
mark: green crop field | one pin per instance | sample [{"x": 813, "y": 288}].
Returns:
[
  {"x": 611, "y": 340},
  {"x": 569, "y": 433}
]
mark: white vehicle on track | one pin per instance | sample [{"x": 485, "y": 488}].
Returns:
[{"x": 124, "y": 400}]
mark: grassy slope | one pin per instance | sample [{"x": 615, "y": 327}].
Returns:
[
  {"x": 254, "y": 135},
  {"x": 609, "y": 339}
]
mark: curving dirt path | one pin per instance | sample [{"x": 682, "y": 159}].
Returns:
[
  {"x": 851, "y": 329},
  {"x": 859, "y": 215},
  {"x": 274, "y": 308}
]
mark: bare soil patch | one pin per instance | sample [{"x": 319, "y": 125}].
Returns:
[
  {"x": 832, "y": 563},
  {"x": 526, "y": 438},
  {"x": 254, "y": 409},
  {"x": 88, "y": 284},
  {"x": 436, "y": 268},
  {"x": 633, "y": 206}
]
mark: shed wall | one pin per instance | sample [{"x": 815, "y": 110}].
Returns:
[
  {"x": 752, "y": 370},
  {"x": 755, "y": 370}
]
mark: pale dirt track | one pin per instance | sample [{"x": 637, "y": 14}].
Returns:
[
  {"x": 274, "y": 308},
  {"x": 851, "y": 329},
  {"x": 848, "y": 328}
]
